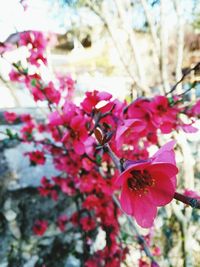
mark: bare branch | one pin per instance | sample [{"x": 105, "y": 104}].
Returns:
[
  {"x": 180, "y": 42},
  {"x": 163, "y": 48},
  {"x": 192, "y": 202},
  {"x": 154, "y": 36},
  {"x": 186, "y": 73},
  {"x": 140, "y": 239},
  {"x": 132, "y": 42},
  {"x": 110, "y": 30}
]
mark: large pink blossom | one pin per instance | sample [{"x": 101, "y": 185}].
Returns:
[{"x": 148, "y": 184}]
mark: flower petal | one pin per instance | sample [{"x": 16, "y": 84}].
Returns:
[
  {"x": 144, "y": 211},
  {"x": 79, "y": 147},
  {"x": 165, "y": 153},
  {"x": 163, "y": 190},
  {"x": 132, "y": 163},
  {"x": 166, "y": 168},
  {"x": 126, "y": 200},
  {"x": 136, "y": 165}
]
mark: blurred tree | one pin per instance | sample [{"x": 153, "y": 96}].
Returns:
[{"x": 132, "y": 17}]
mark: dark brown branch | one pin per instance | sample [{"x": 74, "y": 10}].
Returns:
[
  {"x": 193, "y": 202},
  {"x": 197, "y": 66},
  {"x": 140, "y": 239}
]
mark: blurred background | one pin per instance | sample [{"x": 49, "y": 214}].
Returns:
[
  {"x": 130, "y": 48},
  {"x": 125, "y": 47}
]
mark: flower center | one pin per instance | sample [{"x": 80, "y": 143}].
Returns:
[
  {"x": 140, "y": 180},
  {"x": 161, "y": 108}
]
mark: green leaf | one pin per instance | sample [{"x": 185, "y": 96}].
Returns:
[
  {"x": 33, "y": 82},
  {"x": 124, "y": 236},
  {"x": 98, "y": 159},
  {"x": 9, "y": 133},
  {"x": 171, "y": 100}
]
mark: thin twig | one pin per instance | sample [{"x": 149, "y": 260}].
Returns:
[
  {"x": 109, "y": 29},
  {"x": 183, "y": 77},
  {"x": 114, "y": 158},
  {"x": 141, "y": 240},
  {"x": 193, "y": 202}
]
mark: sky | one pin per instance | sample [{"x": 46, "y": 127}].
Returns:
[{"x": 13, "y": 18}]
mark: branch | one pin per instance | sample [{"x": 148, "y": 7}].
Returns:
[
  {"x": 163, "y": 47},
  {"x": 196, "y": 67},
  {"x": 110, "y": 30},
  {"x": 180, "y": 41},
  {"x": 114, "y": 158},
  {"x": 132, "y": 41},
  {"x": 192, "y": 202},
  {"x": 141, "y": 240},
  {"x": 149, "y": 17}
]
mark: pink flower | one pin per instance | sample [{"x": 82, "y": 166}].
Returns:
[
  {"x": 10, "y": 116},
  {"x": 129, "y": 131},
  {"x": 40, "y": 227},
  {"x": 195, "y": 110},
  {"x": 92, "y": 263},
  {"x": 148, "y": 184},
  {"x": 15, "y": 76},
  {"x": 37, "y": 157},
  {"x": 141, "y": 109},
  {"x": 164, "y": 116},
  {"x": 67, "y": 86},
  {"x": 27, "y": 131},
  {"x": 78, "y": 134},
  {"x": 52, "y": 94},
  {"x": 191, "y": 193},
  {"x": 36, "y": 58},
  {"x": 61, "y": 222},
  {"x": 93, "y": 98},
  {"x": 143, "y": 263},
  {"x": 55, "y": 118},
  {"x": 188, "y": 128},
  {"x": 37, "y": 94},
  {"x": 36, "y": 42},
  {"x": 6, "y": 46},
  {"x": 156, "y": 251},
  {"x": 87, "y": 164},
  {"x": 47, "y": 189},
  {"x": 26, "y": 118},
  {"x": 25, "y": 6},
  {"x": 87, "y": 223}
]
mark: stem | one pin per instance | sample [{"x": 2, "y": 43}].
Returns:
[
  {"x": 180, "y": 41},
  {"x": 109, "y": 27},
  {"x": 196, "y": 67},
  {"x": 114, "y": 158},
  {"x": 141, "y": 240},
  {"x": 193, "y": 202}
]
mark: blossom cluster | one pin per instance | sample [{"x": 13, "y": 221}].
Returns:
[{"x": 76, "y": 138}]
